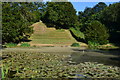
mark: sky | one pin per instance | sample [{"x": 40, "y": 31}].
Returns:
[{"x": 80, "y": 6}]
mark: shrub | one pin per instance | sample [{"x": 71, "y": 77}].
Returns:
[
  {"x": 96, "y": 32},
  {"x": 11, "y": 45},
  {"x": 25, "y": 45},
  {"x": 75, "y": 45},
  {"x": 93, "y": 45}
]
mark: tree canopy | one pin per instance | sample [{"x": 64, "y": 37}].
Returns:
[
  {"x": 96, "y": 32},
  {"x": 111, "y": 17},
  {"x": 17, "y": 18},
  {"x": 60, "y": 15}
]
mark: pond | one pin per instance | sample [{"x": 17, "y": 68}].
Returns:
[
  {"x": 107, "y": 57},
  {"x": 72, "y": 64}
]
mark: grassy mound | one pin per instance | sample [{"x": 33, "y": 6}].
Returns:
[{"x": 44, "y": 35}]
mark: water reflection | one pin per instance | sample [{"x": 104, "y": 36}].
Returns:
[{"x": 100, "y": 56}]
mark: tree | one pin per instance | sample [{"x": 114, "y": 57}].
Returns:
[
  {"x": 91, "y": 13},
  {"x": 60, "y": 15},
  {"x": 111, "y": 17},
  {"x": 99, "y": 7},
  {"x": 87, "y": 11},
  {"x": 16, "y": 20},
  {"x": 96, "y": 32}
]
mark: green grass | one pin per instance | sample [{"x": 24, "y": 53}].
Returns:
[
  {"x": 9, "y": 45},
  {"x": 52, "y": 41},
  {"x": 51, "y": 36},
  {"x": 25, "y": 45}
]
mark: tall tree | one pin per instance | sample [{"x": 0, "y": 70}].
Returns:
[
  {"x": 91, "y": 12},
  {"x": 98, "y": 7},
  {"x": 60, "y": 14},
  {"x": 111, "y": 17},
  {"x": 96, "y": 32},
  {"x": 16, "y": 20}
]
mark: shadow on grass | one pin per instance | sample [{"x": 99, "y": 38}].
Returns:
[
  {"x": 77, "y": 38},
  {"x": 27, "y": 40}
]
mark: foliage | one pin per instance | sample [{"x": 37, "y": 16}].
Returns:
[
  {"x": 88, "y": 16},
  {"x": 110, "y": 16},
  {"x": 93, "y": 45},
  {"x": 99, "y": 7},
  {"x": 60, "y": 15},
  {"x": 25, "y": 45},
  {"x": 16, "y": 20},
  {"x": 75, "y": 45},
  {"x": 107, "y": 15},
  {"x": 88, "y": 12},
  {"x": 77, "y": 33},
  {"x": 96, "y": 32},
  {"x": 3, "y": 73},
  {"x": 10, "y": 44}
]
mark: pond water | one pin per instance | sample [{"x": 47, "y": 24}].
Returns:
[{"x": 107, "y": 57}]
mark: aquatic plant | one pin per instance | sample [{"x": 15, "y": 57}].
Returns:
[{"x": 50, "y": 65}]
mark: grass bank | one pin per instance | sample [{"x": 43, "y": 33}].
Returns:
[{"x": 44, "y": 35}]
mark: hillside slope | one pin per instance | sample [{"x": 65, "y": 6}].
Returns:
[{"x": 44, "y": 36}]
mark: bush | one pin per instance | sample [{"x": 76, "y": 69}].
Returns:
[
  {"x": 75, "y": 45},
  {"x": 93, "y": 45},
  {"x": 96, "y": 32},
  {"x": 25, "y": 45},
  {"x": 11, "y": 45}
]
